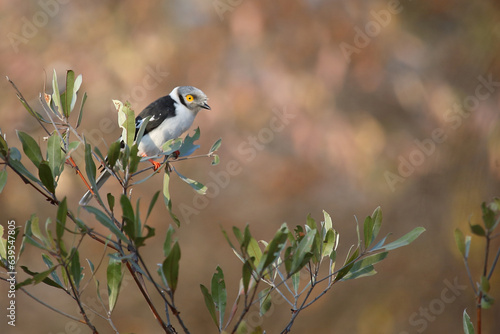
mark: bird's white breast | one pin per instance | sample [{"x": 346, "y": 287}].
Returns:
[{"x": 170, "y": 128}]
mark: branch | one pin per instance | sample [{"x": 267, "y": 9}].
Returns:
[{"x": 77, "y": 298}]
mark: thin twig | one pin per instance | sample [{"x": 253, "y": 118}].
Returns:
[
  {"x": 24, "y": 102},
  {"x": 469, "y": 274},
  {"x": 494, "y": 264},
  {"x": 247, "y": 307},
  {"x": 77, "y": 297},
  {"x": 52, "y": 308}
]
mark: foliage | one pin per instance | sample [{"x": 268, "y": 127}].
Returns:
[
  {"x": 278, "y": 266},
  {"x": 481, "y": 288}
]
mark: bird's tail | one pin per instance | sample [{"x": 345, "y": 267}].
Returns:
[{"x": 100, "y": 181}]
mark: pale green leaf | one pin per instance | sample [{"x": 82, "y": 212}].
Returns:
[
  {"x": 3, "y": 179},
  {"x": 467, "y": 323},
  {"x": 406, "y": 239},
  {"x": 114, "y": 279}
]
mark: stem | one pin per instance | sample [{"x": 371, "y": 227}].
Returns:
[
  {"x": 77, "y": 298},
  {"x": 480, "y": 296},
  {"x": 247, "y": 307},
  {"x": 494, "y": 264},
  {"x": 148, "y": 300},
  {"x": 469, "y": 274},
  {"x": 52, "y": 308},
  {"x": 296, "y": 312},
  {"x": 171, "y": 305}
]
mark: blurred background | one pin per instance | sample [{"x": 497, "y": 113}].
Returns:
[{"x": 321, "y": 105}]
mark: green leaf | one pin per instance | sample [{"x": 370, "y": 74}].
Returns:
[
  {"x": 126, "y": 121},
  {"x": 111, "y": 201},
  {"x": 348, "y": 264},
  {"x": 90, "y": 166},
  {"x": 188, "y": 146},
  {"x": 62, "y": 211},
  {"x": 30, "y": 148},
  {"x": 142, "y": 128},
  {"x": 98, "y": 152},
  {"x": 73, "y": 146},
  {"x": 364, "y": 267},
  {"x": 265, "y": 301},
  {"x": 167, "y": 244},
  {"x": 129, "y": 227},
  {"x": 96, "y": 281},
  {"x": 171, "y": 267},
  {"x": 38, "y": 278},
  {"x": 216, "y": 145},
  {"x": 460, "y": 240},
  {"x": 303, "y": 252},
  {"x": 488, "y": 216},
  {"x": 380, "y": 244},
  {"x": 328, "y": 225},
  {"x": 242, "y": 328},
  {"x": 406, "y": 239},
  {"x": 216, "y": 160},
  {"x": 209, "y": 302},
  {"x": 55, "y": 155},
  {"x": 125, "y": 155},
  {"x": 166, "y": 197},
  {"x": 114, "y": 278},
  {"x": 253, "y": 250},
  {"x": 76, "y": 88},
  {"x": 468, "y": 326},
  {"x": 273, "y": 250},
  {"x": 484, "y": 285},
  {"x": 68, "y": 96},
  {"x": 171, "y": 146},
  {"x": 56, "y": 97},
  {"x": 113, "y": 154},
  {"x": 46, "y": 177},
  {"x": 310, "y": 222},
  {"x": 50, "y": 265},
  {"x": 4, "y": 148},
  {"x": 197, "y": 186},
  {"x": 368, "y": 231},
  {"x": 134, "y": 159},
  {"x": 219, "y": 294},
  {"x": 140, "y": 241},
  {"x": 487, "y": 301},
  {"x": 3, "y": 179},
  {"x": 3, "y": 244},
  {"x": 35, "y": 228},
  {"x": 329, "y": 242},
  {"x": 246, "y": 274},
  {"x": 237, "y": 233},
  {"x": 152, "y": 204},
  {"x": 477, "y": 230},
  {"x": 80, "y": 114},
  {"x": 76, "y": 270},
  {"x": 107, "y": 222},
  {"x": 377, "y": 222}
]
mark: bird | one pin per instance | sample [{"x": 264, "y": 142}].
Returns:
[{"x": 170, "y": 116}]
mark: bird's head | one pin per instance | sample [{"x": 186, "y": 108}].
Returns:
[{"x": 193, "y": 98}]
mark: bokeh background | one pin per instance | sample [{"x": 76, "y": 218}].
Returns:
[{"x": 360, "y": 87}]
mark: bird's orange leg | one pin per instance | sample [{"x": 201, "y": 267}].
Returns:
[
  {"x": 156, "y": 164},
  {"x": 73, "y": 164}
]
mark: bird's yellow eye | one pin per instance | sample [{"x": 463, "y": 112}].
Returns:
[{"x": 189, "y": 98}]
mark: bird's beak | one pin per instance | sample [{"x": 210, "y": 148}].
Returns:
[{"x": 205, "y": 106}]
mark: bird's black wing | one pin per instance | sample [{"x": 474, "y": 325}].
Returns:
[{"x": 159, "y": 111}]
